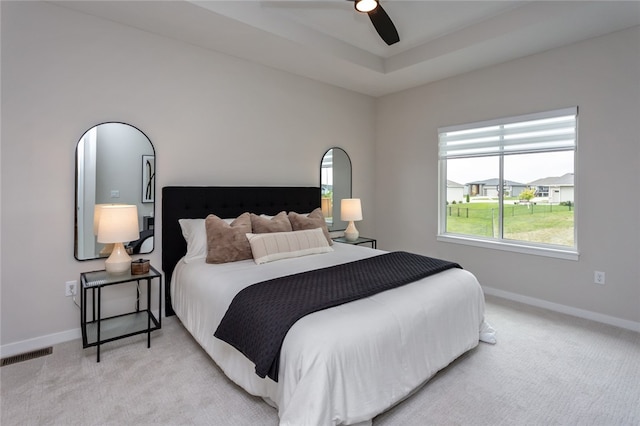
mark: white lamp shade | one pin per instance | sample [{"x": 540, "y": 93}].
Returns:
[
  {"x": 350, "y": 209},
  {"x": 97, "y": 212},
  {"x": 118, "y": 223}
]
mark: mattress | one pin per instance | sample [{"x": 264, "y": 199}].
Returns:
[{"x": 346, "y": 364}]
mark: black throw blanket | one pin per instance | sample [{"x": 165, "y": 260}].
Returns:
[{"x": 260, "y": 315}]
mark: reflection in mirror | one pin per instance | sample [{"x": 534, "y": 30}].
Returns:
[
  {"x": 115, "y": 164},
  {"x": 335, "y": 182}
]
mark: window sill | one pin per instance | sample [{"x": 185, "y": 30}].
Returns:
[{"x": 558, "y": 253}]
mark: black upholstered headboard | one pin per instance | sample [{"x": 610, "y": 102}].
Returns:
[{"x": 192, "y": 202}]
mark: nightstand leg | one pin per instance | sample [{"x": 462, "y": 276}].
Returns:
[
  {"x": 98, "y": 324},
  {"x": 148, "y": 313},
  {"x": 93, "y": 304},
  {"x": 83, "y": 312},
  {"x": 159, "y": 302},
  {"x": 138, "y": 296}
]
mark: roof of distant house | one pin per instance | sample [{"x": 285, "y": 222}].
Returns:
[
  {"x": 495, "y": 182},
  {"x": 564, "y": 180}
]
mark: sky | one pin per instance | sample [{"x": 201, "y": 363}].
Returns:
[{"x": 522, "y": 168}]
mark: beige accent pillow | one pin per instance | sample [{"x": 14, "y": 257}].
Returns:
[
  {"x": 284, "y": 245},
  {"x": 315, "y": 219},
  {"x": 227, "y": 242},
  {"x": 277, "y": 223}
]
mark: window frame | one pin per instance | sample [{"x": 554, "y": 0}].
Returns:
[{"x": 501, "y": 243}]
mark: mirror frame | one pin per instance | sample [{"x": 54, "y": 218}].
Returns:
[
  {"x": 150, "y": 200},
  {"x": 337, "y": 224}
]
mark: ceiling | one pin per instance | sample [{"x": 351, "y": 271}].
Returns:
[{"x": 327, "y": 40}]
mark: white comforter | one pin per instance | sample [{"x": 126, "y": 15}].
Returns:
[{"x": 346, "y": 364}]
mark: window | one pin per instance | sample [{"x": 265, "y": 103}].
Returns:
[{"x": 510, "y": 184}]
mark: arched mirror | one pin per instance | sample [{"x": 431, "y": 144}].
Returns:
[
  {"x": 335, "y": 182},
  {"x": 115, "y": 164}
]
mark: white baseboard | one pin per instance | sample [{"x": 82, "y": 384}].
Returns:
[
  {"x": 39, "y": 342},
  {"x": 581, "y": 313},
  {"x": 44, "y": 341}
]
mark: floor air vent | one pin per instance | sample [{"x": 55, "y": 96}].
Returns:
[{"x": 26, "y": 356}]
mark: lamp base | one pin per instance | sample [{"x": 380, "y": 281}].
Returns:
[
  {"x": 106, "y": 250},
  {"x": 119, "y": 262},
  {"x": 351, "y": 233}
]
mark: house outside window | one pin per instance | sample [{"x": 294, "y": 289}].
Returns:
[{"x": 517, "y": 177}]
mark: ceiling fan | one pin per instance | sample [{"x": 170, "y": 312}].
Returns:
[{"x": 379, "y": 18}]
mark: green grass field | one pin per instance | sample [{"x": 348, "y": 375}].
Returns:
[{"x": 543, "y": 223}]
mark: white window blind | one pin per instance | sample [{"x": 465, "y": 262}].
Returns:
[{"x": 540, "y": 132}]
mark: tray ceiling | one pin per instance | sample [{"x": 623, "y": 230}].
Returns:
[{"x": 327, "y": 40}]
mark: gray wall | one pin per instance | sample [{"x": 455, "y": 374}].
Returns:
[
  {"x": 602, "y": 77},
  {"x": 213, "y": 120}
]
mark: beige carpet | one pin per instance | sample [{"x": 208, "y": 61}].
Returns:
[{"x": 547, "y": 369}]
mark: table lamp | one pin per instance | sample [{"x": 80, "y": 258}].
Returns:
[
  {"x": 118, "y": 224},
  {"x": 351, "y": 210}
]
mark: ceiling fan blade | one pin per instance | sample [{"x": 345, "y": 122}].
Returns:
[{"x": 384, "y": 26}]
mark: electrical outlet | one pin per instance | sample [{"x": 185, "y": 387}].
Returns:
[
  {"x": 70, "y": 288},
  {"x": 598, "y": 277}
]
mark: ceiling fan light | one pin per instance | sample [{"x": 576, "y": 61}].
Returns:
[{"x": 366, "y": 6}]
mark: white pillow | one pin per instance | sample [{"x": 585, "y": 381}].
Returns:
[
  {"x": 195, "y": 234},
  {"x": 283, "y": 245}
]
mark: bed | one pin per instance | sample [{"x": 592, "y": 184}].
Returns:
[{"x": 342, "y": 365}]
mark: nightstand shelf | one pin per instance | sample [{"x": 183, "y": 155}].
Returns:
[
  {"x": 119, "y": 327},
  {"x": 100, "y": 330},
  {"x": 360, "y": 240}
]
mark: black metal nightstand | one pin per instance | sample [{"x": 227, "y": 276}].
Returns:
[
  {"x": 360, "y": 240},
  {"x": 101, "y": 330}
]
